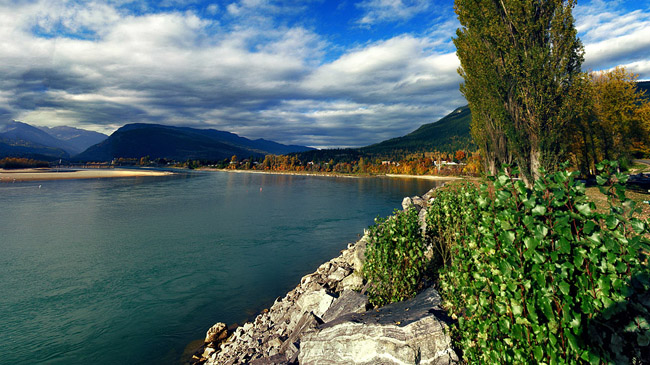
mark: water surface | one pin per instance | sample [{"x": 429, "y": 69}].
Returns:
[{"x": 131, "y": 270}]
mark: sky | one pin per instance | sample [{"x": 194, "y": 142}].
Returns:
[{"x": 321, "y": 73}]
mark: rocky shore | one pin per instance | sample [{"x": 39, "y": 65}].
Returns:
[{"x": 326, "y": 319}]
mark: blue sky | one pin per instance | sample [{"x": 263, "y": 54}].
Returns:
[{"x": 321, "y": 73}]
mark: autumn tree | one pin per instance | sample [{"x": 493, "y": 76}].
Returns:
[
  {"x": 614, "y": 122},
  {"x": 519, "y": 61}
]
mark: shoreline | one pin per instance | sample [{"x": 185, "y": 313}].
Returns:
[
  {"x": 327, "y": 174},
  {"x": 47, "y": 174}
]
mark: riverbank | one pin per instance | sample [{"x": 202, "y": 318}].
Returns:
[
  {"x": 327, "y": 319},
  {"x": 44, "y": 174},
  {"x": 333, "y": 174}
]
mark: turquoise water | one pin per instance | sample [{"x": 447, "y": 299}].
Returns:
[{"x": 131, "y": 270}]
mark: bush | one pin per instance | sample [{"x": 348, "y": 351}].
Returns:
[
  {"x": 537, "y": 276},
  {"x": 447, "y": 217},
  {"x": 394, "y": 258}
]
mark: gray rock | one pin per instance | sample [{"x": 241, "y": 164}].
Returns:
[
  {"x": 315, "y": 301},
  {"x": 407, "y": 203},
  {"x": 348, "y": 302},
  {"x": 308, "y": 321},
  {"x": 359, "y": 257},
  {"x": 351, "y": 282},
  {"x": 422, "y": 219},
  {"x": 277, "y": 359},
  {"x": 409, "y": 332},
  {"x": 339, "y": 274},
  {"x": 418, "y": 202}
]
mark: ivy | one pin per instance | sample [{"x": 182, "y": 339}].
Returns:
[
  {"x": 537, "y": 275},
  {"x": 395, "y": 259}
]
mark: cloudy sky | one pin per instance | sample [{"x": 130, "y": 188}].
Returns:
[{"x": 322, "y": 73}]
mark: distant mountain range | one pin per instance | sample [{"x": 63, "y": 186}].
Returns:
[
  {"x": 180, "y": 144},
  {"x": 449, "y": 134},
  {"x": 75, "y": 140},
  {"x": 19, "y": 139}
]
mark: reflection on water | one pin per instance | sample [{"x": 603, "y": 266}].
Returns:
[{"x": 131, "y": 270}]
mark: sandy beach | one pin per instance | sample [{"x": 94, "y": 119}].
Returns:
[{"x": 52, "y": 174}]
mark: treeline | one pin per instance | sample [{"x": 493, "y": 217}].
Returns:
[
  {"x": 21, "y": 163},
  {"x": 426, "y": 163}
]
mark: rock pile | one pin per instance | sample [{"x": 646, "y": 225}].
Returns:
[{"x": 325, "y": 320}]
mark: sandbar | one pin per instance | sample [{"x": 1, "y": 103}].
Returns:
[{"x": 69, "y": 174}]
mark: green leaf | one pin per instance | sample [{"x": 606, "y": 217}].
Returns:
[
  {"x": 611, "y": 222},
  {"x": 573, "y": 343},
  {"x": 564, "y": 245},
  {"x": 584, "y": 209},
  {"x": 545, "y": 305},
  {"x": 564, "y": 287},
  {"x": 638, "y": 226},
  {"x": 539, "y": 210}
]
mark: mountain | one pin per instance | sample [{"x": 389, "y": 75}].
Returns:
[
  {"x": 180, "y": 143},
  {"x": 76, "y": 140},
  {"x": 645, "y": 86},
  {"x": 449, "y": 134},
  {"x": 23, "y": 140},
  {"x": 42, "y": 153}
]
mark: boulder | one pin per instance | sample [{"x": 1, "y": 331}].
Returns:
[
  {"x": 351, "y": 282},
  {"x": 407, "y": 203},
  {"x": 409, "y": 332},
  {"x": 348, "y": 302},
  {"x": 307, "y": 322},
  {"x": 217, "y": 333},
  {"x": 315, "y": 301},
  {"x": 418, "y": 202},
  {"x": 339, "y": 274},
  {"x": 359, "y": 257}
]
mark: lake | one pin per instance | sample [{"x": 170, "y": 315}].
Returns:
[{"x": 131, "y": 270}]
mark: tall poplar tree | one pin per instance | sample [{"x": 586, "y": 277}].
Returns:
[{"x": 519, "y": 60}]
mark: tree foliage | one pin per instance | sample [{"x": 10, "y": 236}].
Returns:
[
  {"x": 614, "y": 119},
  {"x": 519, "y": 59}
]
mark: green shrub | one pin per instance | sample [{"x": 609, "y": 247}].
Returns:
[
  {"x": 537, "y": 276},
  {"x": 447, "y": 217},
  {"x": 394, "y": 258}
]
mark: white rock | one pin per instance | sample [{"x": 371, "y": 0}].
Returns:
[
  {"x": 208, "y": 352},
  {"x": 351, "y": 282},
  {"x": 317, "y": 302},
  {"x": 338, "y": 275}
]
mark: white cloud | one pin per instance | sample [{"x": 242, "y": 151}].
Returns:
[
  {"x": 253, "y": 77},
  {"x": 378, "y": 11},
  {"x": 614, "y": 38}
]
